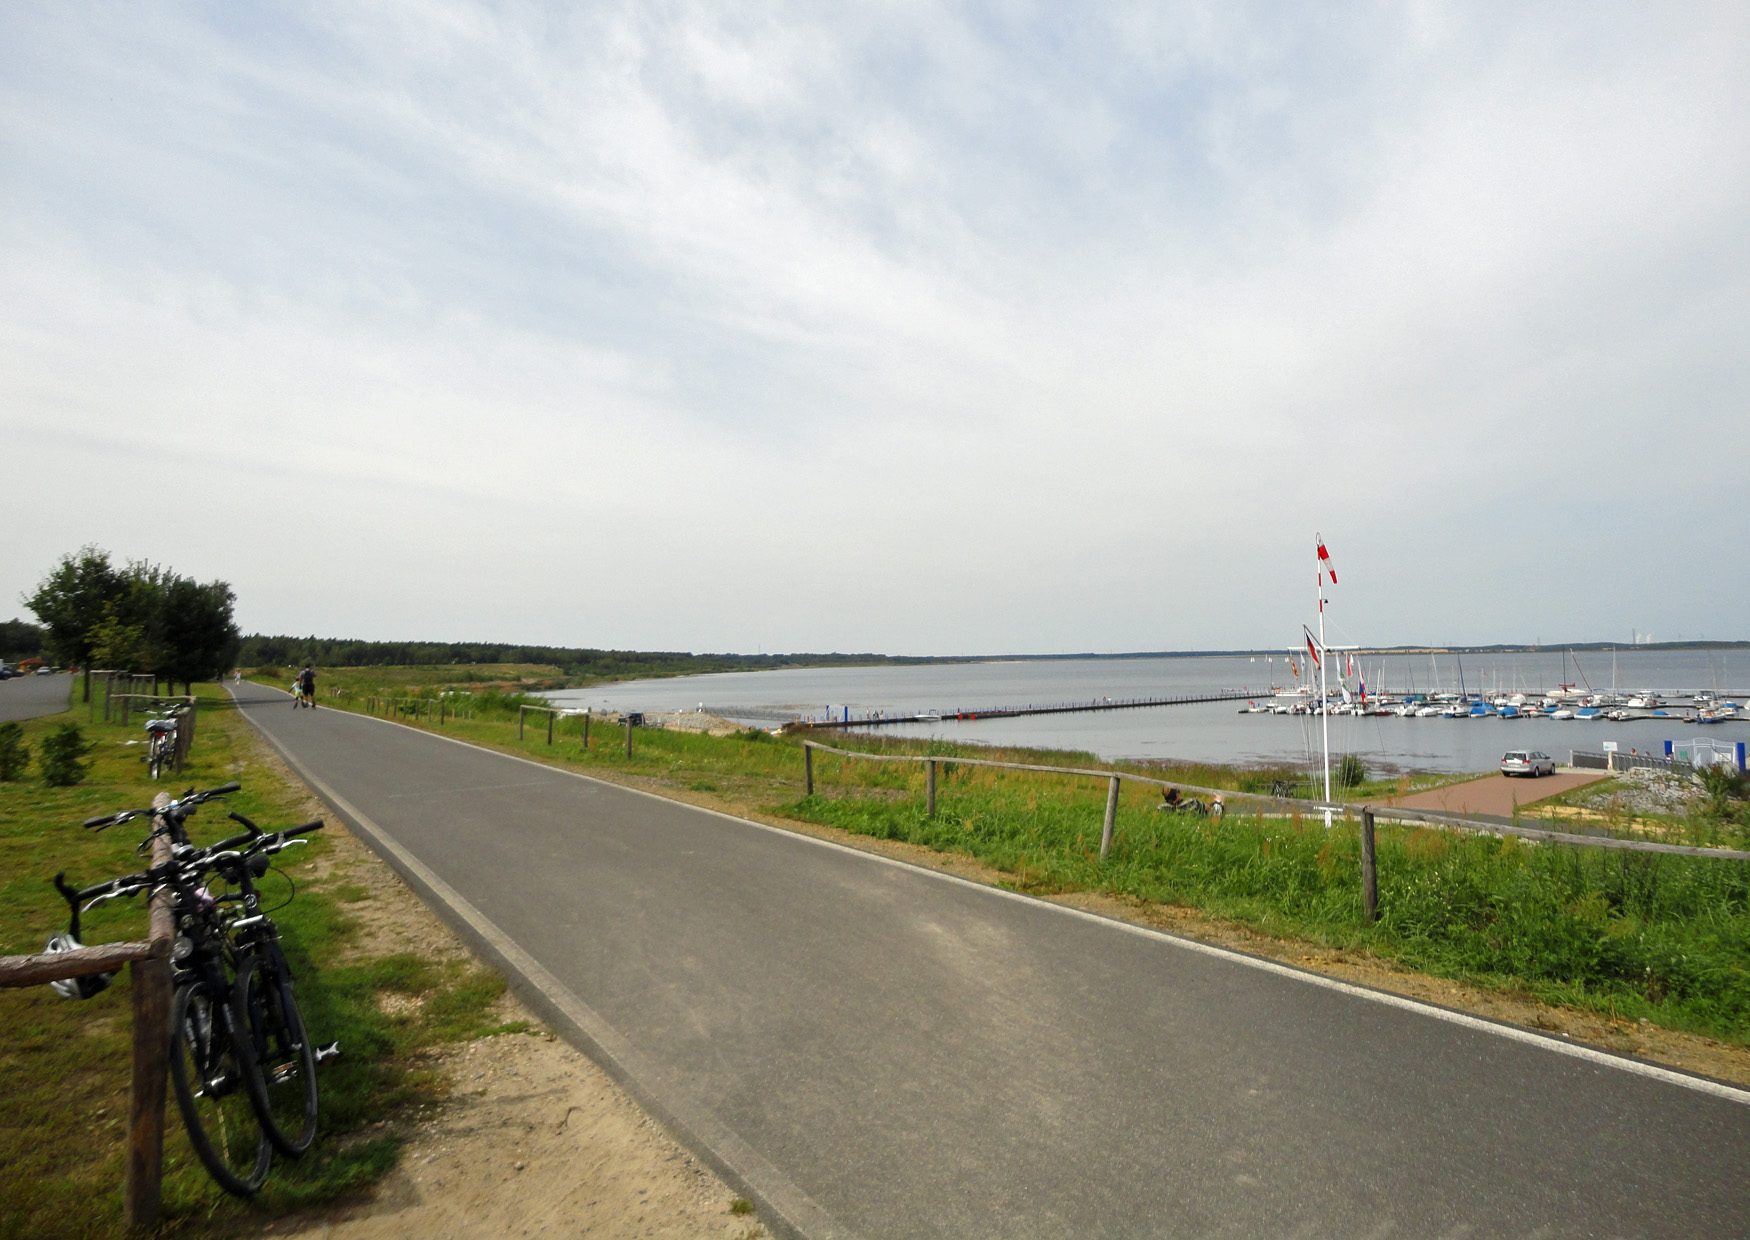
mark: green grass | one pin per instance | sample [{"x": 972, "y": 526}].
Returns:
[{"x": 64, "y": 1066}]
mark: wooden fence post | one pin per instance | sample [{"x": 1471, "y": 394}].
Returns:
[
  {"x": 151, "y": 987},
  {"x": 1111, "y": 818},
  {"x": 1369, "y": 869},
  {"x": 145, "y": 1168},
  {"x": 807, "y": 768},
  {"x": 442, "y": 707},
  {"x": 930, "y": 788},
  {"x": 628, "y": 737},
  {"x": 586, "y": 728},
  {"x": 550, "y": 717},
  {"x": 522, "y": 710}
]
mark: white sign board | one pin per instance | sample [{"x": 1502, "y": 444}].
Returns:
[{"x": 1609, "y": 746}]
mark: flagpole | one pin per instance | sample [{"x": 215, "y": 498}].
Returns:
[{"x": 1324, "y": 695}]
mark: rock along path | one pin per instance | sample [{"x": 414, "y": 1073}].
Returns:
[{"x": 871, "y": 1048}]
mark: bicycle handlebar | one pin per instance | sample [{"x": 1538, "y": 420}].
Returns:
[{"x": 177, "y": 808}]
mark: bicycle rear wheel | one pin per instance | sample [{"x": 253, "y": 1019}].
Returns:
[
  {"x": 208, "y": 1076},
  {"x": 156, "y": 761},
  {"x": 279, "y": 1062}
]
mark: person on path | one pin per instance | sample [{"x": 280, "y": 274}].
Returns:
[{"x": 306, "y": 688}]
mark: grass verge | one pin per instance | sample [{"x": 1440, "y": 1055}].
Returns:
[{"x": 64, "y": 1066}]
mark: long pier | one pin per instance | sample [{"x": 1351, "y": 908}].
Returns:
[{"x": 868, "y": 719}]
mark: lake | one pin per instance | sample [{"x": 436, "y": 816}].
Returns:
[{"x": 1216, "y": 732}]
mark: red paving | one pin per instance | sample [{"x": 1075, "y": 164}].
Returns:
[{"x": 1497, "y": 794}]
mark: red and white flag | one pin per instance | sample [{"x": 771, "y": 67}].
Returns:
[
  {"x": 1325, "y": 560},
  {"x": 1312, "y": 647}
]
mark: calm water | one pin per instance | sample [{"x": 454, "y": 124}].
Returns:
[{"x": 1216, "y": 732}]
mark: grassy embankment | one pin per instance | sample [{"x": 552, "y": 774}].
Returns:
[
  {"x": 64, "y": 1066},
  {"x": 1661, "y": 937}
]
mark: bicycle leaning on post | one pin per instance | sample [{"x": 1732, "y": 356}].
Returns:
[
  {"x": 241, "y": 1062},
  {"x": 161, "y": 753}
]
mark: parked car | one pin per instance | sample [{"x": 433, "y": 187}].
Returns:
[{"x": 1527, "y": 762}]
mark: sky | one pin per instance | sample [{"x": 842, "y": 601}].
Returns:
[{"x": 898, "y": 327}]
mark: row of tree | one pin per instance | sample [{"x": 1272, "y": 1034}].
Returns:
[
  {"x": 19, "y": 639},
  {"x": 140, "y": 617},
  {"x": 262, "y": 650}
]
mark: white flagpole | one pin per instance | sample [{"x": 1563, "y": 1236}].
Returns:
[{"x": 1324, "y": 697}]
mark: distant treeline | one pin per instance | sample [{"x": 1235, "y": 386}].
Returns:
[
  {"x": 260, "y": 650},
  {"x": 19, "y": 639}
]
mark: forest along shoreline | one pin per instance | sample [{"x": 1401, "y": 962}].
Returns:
[{"x": 1283, "y": 888}]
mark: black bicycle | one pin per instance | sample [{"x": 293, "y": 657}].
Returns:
[{"x": 242, "y": 1064}]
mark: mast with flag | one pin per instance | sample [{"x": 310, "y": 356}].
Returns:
[{"x": 1324, "y": 699}]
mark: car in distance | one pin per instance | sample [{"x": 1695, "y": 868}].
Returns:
[{"x": 1527, "y": 762}]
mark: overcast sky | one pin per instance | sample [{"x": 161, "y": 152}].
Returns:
[{"x": 896, "y": 327}]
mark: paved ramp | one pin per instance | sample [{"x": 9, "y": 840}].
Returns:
[
  {"x": 1497, "y": 794},
  {"x": 873, "y": 1049}
]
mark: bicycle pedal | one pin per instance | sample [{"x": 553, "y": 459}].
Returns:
[{"x": 325, "y": 1053}]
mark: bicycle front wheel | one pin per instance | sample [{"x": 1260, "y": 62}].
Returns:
[
  {"x": 208, "y": 1076},
  {"x": 279, "y": 1062}
]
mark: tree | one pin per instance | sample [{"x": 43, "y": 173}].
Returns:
[
  {"x": 198, "y": 633},
  {"x": 72, "y": 601},
  {"x": 115, "y": 644},
  {"x": 142, "y": 618}
]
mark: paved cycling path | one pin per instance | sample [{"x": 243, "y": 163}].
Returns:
[
  {"x": 875, "y": 1049},
  {"x": 30, "y": 697}
]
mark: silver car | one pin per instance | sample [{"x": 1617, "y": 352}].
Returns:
[{"x": 1527, "y": 762}]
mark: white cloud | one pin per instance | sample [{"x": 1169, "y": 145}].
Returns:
[{"x": 910, "y": 328}]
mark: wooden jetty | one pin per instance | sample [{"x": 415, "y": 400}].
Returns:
[{"x": 875, "y": 719}]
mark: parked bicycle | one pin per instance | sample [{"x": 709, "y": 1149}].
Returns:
[
  {"x": 162, "y": 735},
  {"x": 241, "y": 1062}
]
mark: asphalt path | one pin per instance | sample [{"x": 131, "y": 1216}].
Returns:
[
  {"x": 28, "y": 697},
  {"x": 874, "y": 1049}
]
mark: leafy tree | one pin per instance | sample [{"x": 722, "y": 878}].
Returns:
[
  {"x": 142, "y": 618},
  {"x": 19, "y": 639},
  {"x": 199, "y": 635},
  {"x": 14, "y": 753},
  {"x": 73, "y": 600},
  {"x": 63, "y": 750},
  {"x": 115, "y": 644}
]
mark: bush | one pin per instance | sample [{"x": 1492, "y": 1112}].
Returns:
[
  {"x": 1724, "y": 785},
  {"x": 63, "y": 751},
  {"x": 14, "y": 753},
  {"x": 1351, "y": 772}
]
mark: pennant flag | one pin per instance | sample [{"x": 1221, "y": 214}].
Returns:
[
  {"x": 1311, "y": 646},
  {"x": 1325, "y": 560}
]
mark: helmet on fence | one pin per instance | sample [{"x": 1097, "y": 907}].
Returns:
[{"x": 75, "y": 987}]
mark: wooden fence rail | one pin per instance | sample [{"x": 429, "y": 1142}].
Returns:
[
  {"x": 1369, "y": 814},
  {"x": 149, "y": 964}
]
